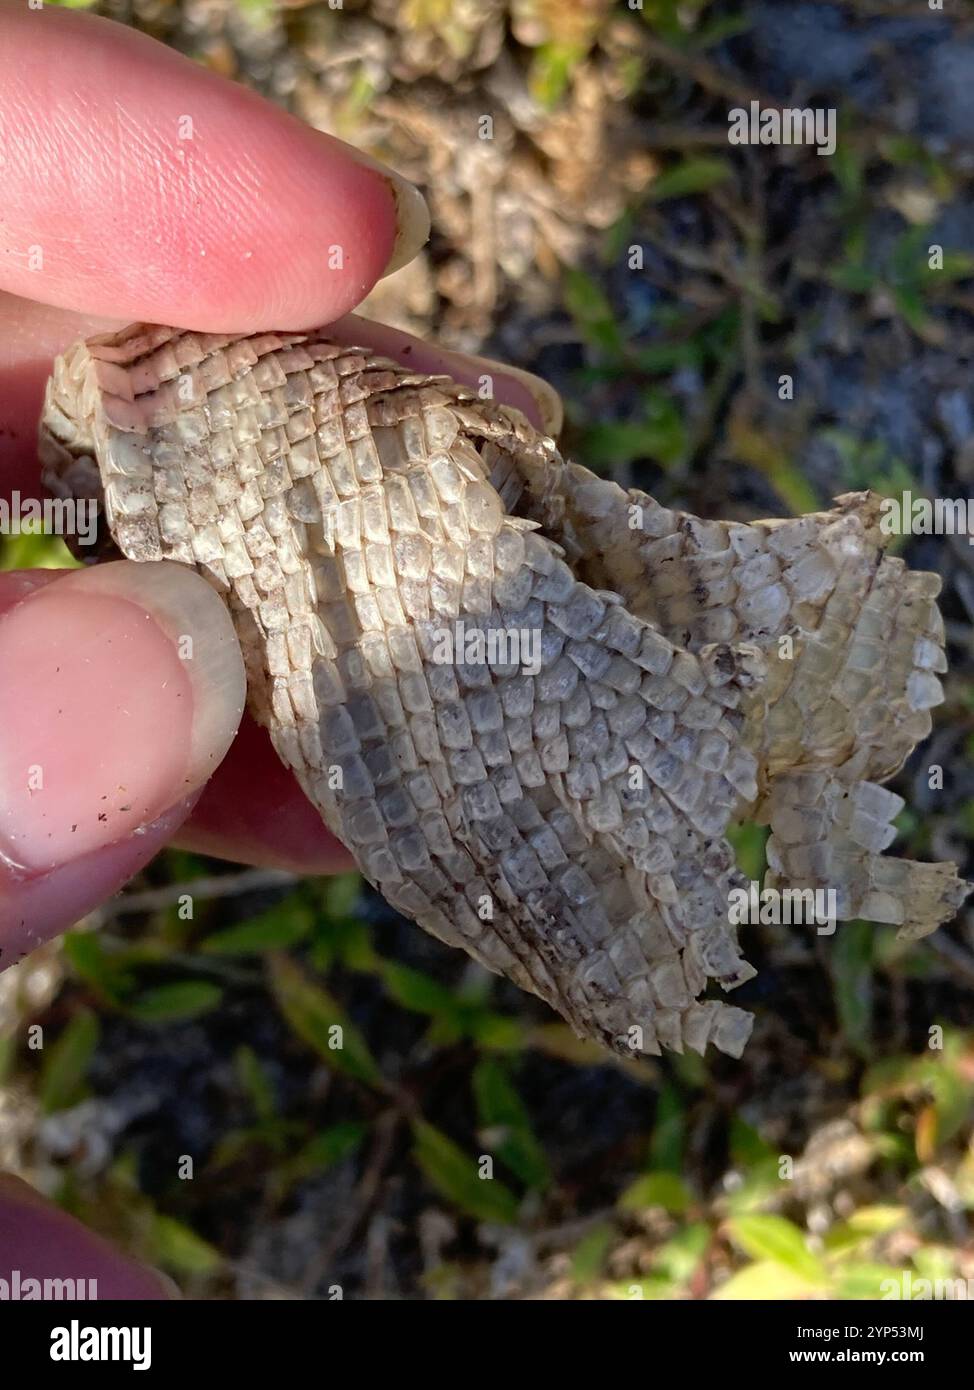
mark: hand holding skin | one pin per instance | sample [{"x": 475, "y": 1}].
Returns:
[
  {"x": 138, "y": 186},
  {"x": 146, "y": 188}
]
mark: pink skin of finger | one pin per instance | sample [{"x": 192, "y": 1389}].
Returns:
[
  {"x": 40, "y": 1242},
  {"x": 178, "y": 188},
  {"x": 121, "y": 692}
]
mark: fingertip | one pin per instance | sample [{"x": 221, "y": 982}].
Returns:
[
  {"x": 253, "y": 811},
  {"x": 537, "y": 401},
  {"x": 190, "y": 200},
  {"x": 43, "y": 1245},
  {"x": 532, "y": 395},
  {"x": 34, "y": 908},
  {"x": 122, "y": 689}
]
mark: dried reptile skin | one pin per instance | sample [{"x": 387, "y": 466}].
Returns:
[
  {"x": 849, "y": 689},
  {"x": 564, "y": 825}
]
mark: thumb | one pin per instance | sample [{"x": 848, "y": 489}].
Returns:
[{"x": 120, "y": 690}]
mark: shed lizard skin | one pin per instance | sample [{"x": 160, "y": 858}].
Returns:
[{"x": 530, "y": 703}]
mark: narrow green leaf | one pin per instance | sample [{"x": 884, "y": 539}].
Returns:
[
  {"x": 27, "y": 551},
  {"x": 174, "y": 1003},
  {"x": 746, "y": 1145},
  {"x": 66, "y": 1062},
  {"x": 256, "y": 1083},
  {"x": 958, "y": 265},
  {"x": 320, "y": 1021},
  {"x": 694, "y": 175},
  {"x": 327, "y": 1149},
  {"x": 862, "y": 1228},
  {"x": 951, "y": 1098},
  {"x": 848, "y": 171},
  {"x": 935, "y": 1261},
  {"x": 666, "y": 1145},
  {"x": 495, "y": 1032},
  {"x": 864, "y": 1280},
  {"x": 653, "y": 1290},
  {"x": 665, "y": 357},
  {"x": 558, "y": 1040},
  {"x": 679, "y": 1257},
  {"x": 456, "y": 1177},
  {"x": 660, "y": 434},
  {"x": 766, "y": 1281},
  {"x": 333, "y": 1144},
  {"x": 8, "y": 1050},
  {"x": 551, "y": 70},
  {"x": 852, "y": 979},
  {"x": 774, "y": 1238},
  {"x": 878, "y": 1220},
  {"x": 506, "y": 1125},
  {"x": 177, "y": 1248},
  {"x": 231, "y": 1147},
  {"x": 110, "y": 980},
  {"x": 666, "y": 1190},
  {"x": 909, "y": 301},
  {"x": 341, "y": 895},
  {"x": 748, "y": 842},
  {"x": 593, "y": 314},
  {"x": 588, "y": 1258},
  {"x": 284, "y": 925},
  {"x": 762, "y": 1180},
  {"x": 715, "y": 31},
  {"x": 416, "y": 991},
  {"x": 858, "y": 279},
  {"x": 761, "y": 449}
]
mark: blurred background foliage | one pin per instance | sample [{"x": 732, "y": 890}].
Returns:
[{"x": 191, "y": 1098}]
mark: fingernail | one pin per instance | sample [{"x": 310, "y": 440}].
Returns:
[
  {"x": 538, "y": 401},
  {"x": 546, "y": 399},
  {"x": 412, "y": 213},
  {"x": 123, "y": 686}
]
